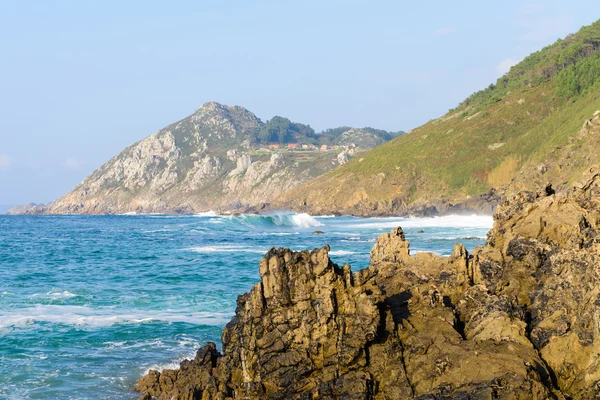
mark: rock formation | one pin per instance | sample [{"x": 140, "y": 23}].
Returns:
[{"x": 516, "y": 319}]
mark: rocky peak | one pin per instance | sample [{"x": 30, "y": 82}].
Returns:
[
  {"x": 212, "y": 106},
  {"x": 234, "y": 120}
]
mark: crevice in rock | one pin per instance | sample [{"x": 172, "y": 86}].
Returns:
[
  {"x": 403, "y": 362},
  {"x": 382, "y": 333},
  {"x": 458, "y": 324},
  {"x": 548, "y": 379},
  {"x": 398, "y": 305}
]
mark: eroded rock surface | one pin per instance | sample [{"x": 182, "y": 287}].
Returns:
[{"x": 516, "y": 319}]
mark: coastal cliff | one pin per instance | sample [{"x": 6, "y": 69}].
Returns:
[{"x": 514, "y": 319}]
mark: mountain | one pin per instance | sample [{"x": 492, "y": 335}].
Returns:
[
  {"x": 539, "y": 122},
  {"x": 219, "y": 158}
]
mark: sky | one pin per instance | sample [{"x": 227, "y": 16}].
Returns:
[{"x": 81, "y": 80}]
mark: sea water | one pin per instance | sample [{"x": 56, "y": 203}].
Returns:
[{"x": 88, "y": 304}]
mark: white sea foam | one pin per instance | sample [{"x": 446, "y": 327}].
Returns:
[
  {"x": 189, "y": 348},
  {"x": 280, "y": 233},
  {"x": 474, "y": 237},
  {"x": 227, "y": 248},
  {"x": 158, "y": 230},
  {"x": 305, "y": 220},
  {"x": 91, "y": 317},
  {"x": 341, "y": 253},
  {"x": 170, "y": 365},
  {"x": 273, "y": 218},
  {"x": 56, "y": 294},
  {"x": 359, "y": 240},
  {"x": 449, "y": 221},
  {"x": 206, "y": 214}
]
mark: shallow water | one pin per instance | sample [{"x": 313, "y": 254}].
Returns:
[{"x": 89, "y": 303}]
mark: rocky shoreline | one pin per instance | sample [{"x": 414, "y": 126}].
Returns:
[
  {"x": 480, "y": 205},
  {"x": 514, "y": 319}
]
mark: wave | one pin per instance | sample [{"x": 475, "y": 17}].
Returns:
[
  {"x": 359, "y": 240},
  {"x": 210, "y": 213},
  {"x": 341, "y": 253},
  {"x": 171, "y": 365},
  {"x": 453, "y": 238},
  {"x": 227, "y": 248},
  {"x": 448, "y": 221},
  {"x": 56, "y": 294},
  {"x": 97, "y": 318},
  {"x": 302, "y": 220}
]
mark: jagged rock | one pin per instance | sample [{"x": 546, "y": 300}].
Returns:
[
  {"x": 343, "y": 157},
  {"x": 517, "y": 319},
  {"x": 318, "y": 232}
]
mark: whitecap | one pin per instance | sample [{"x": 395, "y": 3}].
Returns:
[
  {"x": 302, "y": 220},
  {"x": 56, "y": 294},
  {"x": 170, "y": 365},
  {"x": 358, "y": 240},
  {"x": 92, "y": 317},
  {"x": 210, "y": 213},
  {"x": 227, "y": 248},
  {"x": 305, "y": 220},
  {"x": 341, "y": 253},
  {"x": 455, "y": 238}
]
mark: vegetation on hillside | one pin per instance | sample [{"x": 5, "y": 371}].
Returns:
[
  {"x": 574, "y": 59},
  {"x": 281, "y": 130},
  {"x": 495, "y": 136}
]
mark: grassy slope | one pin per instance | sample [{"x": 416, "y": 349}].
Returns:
[{"x": 483, "y": 143}]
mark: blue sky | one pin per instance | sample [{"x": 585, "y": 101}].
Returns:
[{"x": 81, "y": 80}]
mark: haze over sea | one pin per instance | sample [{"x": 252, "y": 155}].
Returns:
[{"x": 89, "y": 303}]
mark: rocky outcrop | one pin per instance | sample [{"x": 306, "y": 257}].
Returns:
[
  {"x": 516, "y": 319},
  {"x": 25, "y": 208}
]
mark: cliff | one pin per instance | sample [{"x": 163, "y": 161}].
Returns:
[
  {"x": 219, "y": 158},
  {"x": 516, "y": 319}
]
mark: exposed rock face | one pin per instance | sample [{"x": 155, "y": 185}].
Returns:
[
  {"x": 517, "y": 319},
  {"x": 29, "y": 207},
  {"x": 207, "y": 161}
]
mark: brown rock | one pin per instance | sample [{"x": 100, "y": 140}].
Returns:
[{"x": 516, "y": 319}]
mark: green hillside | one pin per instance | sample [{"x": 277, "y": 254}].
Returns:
[{"x": 527, "y": 124}]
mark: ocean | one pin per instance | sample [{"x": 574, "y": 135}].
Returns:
[{"x": 88, "y": 304}]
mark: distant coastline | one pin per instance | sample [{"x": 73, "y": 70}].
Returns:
[{"x": 5, "y": 207}]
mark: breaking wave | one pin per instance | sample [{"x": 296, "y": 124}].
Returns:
[
  {"x": 275, "y": 219},
  {"x": 94, "y": 318}
]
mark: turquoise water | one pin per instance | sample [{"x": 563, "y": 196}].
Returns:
[{"x": 89, "y": 303}]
